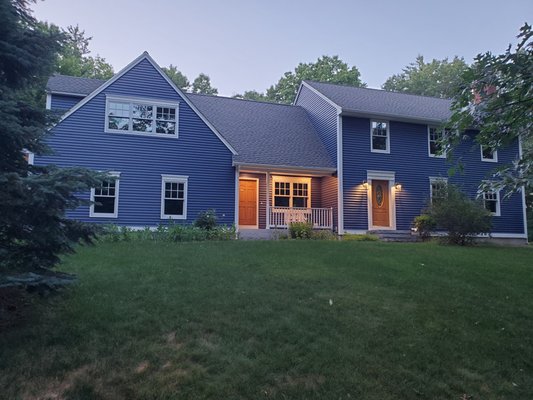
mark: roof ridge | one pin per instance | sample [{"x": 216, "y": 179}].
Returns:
[
  {"x": 376, "y": 90},
  {"x": 237, "y": 99},
  {"x": 56, "y": 74}
]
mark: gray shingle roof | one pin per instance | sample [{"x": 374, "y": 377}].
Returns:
[
  {"x": 265, "y": 133},
  {"x": 72, "y": 84},
  {"x": 381, "y": 102}
]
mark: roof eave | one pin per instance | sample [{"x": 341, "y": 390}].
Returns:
[
  {"x": 402, "y": 118},
  {"x": 284, "y": 169}
]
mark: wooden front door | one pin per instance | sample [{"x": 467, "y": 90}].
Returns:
[
  {"x": 380, "y": 203},
  {"x": 247, "y": 202}
]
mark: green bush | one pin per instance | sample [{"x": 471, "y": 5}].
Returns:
[
  {"x": 207, "y": 220},
  {"x": 460, "y": 216},
  {"x": 424, "y": 225},
  {"x": 323, "y": 234},
  {"x": 300, "y": 230},
  {"x": 167, "y": 233}
]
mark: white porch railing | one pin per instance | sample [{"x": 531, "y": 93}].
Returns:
[{"x": 320, "y": 218}]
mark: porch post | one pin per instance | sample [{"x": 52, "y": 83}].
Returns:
[
  {"x": 268, "y": 200},
  {"x": 237, "y": 173}
]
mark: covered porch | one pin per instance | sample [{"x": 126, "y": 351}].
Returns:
[{"x": 275, "y": 198}]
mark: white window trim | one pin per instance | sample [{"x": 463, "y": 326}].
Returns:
[
  {"x": 494, "y": 159},
  {"x": 443, "y": 155},
  {"x": 93, "y": 214},
  {"x": 291, "y": 180},
  {"x": 179, "y": 179},
  {"x": 145, "y": 101},
  {"x": 388, "y": 137},
  {"x": 31, "y": 156},
  {"x": 432, "y": 180},
  {"x": 498, "y": 212}
]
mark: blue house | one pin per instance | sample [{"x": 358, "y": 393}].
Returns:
[{"x": 344, "y": 158}]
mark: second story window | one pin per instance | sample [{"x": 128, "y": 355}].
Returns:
[
  {"x": 141, "y": 117},
  {"x": 488, "y": 154},
  {"x": 379, "y": 136},
  {"x": 435, "y": 142}
]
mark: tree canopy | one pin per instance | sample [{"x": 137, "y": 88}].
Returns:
[
  {"x": 202, "y": 84},
  {"x": 33, "y": 228},
  {"x": 438, "y": 78},
  {"x": 252, "y": 95},
  {"x": 177, "y": 77},
  {"x": 73, "y": 58},
  {"x": 496, "y": 97},
  {"x": 325, "y": 69}
]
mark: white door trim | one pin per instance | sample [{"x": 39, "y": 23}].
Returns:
[
  {"x": 256, "y": 226},
  {"x": 389, "y": 176}
]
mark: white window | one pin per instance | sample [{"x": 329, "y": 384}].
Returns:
[
  {"x": 438, "y": 189},
  {"x": 174, "y": 197},
  {"x": 142, "y": 117},
  {"x": 104, "y": 199},
  {"x": 488, "y": 154},
  {"x": 491, "y": 200},
  {"x": 291, "y": 192},
  {"x": 379, "y": 137},
  {"x": 435, "y": 142}
]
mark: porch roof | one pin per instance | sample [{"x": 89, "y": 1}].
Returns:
[{"x": 265, "y": 133}]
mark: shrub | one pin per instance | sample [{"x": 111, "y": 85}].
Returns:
[
  {"x": 167, "y": 233},
  {"x": 424, "y": 225},
  {"x": 323, "y": 234},
  {"x": 206, "y": 220},
  {"x": 300, "y": 230},
  {"x": 460, "y": 216}
]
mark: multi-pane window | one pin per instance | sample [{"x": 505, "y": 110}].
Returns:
[
  {"x": 105, "y": 199},
  {"x": 491, "y": 200},
  {"x": 488, "y": 154},
  {"x": 379, "y": 136},
  {"x": 292, "y": 192},
  {"x": 141, "y": 117},
  {"x": 435, "y": 142},
  {"x": 299, "y": 194},
  {"x": 282, "y": 194},
  {"x": 438, "y": 189},
  {"x": 174, "y": 197}
]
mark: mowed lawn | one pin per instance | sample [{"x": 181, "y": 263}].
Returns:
[{"x": 280, "y": 320}]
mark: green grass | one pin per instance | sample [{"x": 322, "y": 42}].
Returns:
[{"x": 280, "y": 320}]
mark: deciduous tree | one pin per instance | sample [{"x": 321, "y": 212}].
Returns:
[
  {"x": 202, "y": 84},
  {"x": 177, "y": 77}
]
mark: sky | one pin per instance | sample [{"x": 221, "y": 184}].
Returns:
[{"x": 249, "y": 45}]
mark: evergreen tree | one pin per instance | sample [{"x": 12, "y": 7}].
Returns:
[{"x": 33, "y": 200}]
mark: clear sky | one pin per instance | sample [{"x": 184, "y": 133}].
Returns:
[{"x": 244, "y": 45}]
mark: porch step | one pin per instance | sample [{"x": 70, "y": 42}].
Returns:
[
  {"x": 255, "y": 234},
  {"x": 395, "y": 236}
]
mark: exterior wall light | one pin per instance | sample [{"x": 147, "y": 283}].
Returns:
[{"x": 398, "y": 187}]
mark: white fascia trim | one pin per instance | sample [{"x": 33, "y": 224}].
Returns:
[
  {"x": 48, "y": 101},
  {"x": 174, "y": 178},
  {"x": 340, "y": 178},
  {"x": 319, "y": 94},
  {"x": 283, "y": 169},
  {"x": 146, "y": 56}
]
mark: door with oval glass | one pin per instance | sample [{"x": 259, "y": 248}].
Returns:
[{"x": 380, "y": 203}]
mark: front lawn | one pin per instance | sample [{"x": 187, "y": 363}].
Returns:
[{"x": 280, "y": 320}]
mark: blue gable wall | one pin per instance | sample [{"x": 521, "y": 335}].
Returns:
[
  {"x": 323, "y": 116},
  {"x": 80, "y": 140},
  {"x": 63, "y": 102},
  {"x": 409, "y": 159}
]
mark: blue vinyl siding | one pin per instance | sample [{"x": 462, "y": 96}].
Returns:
[
  {"x": 323, "y": 116},
  {"x": 198, "y": 153},
  {"x": 329, "y": 195},
  {"x": 62, "y": 102},
  {"x": 409, "y": 159}
]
